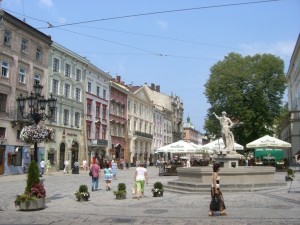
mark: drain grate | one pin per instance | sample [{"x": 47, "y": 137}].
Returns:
[{"x": 156, "y": 211}]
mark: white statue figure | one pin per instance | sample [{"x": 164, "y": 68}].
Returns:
[{"x": 227, "y": 135}]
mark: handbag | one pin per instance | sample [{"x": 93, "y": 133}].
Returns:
[{"x": 91, "y": 173}]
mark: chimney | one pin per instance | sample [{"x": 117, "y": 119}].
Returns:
[
  {"x": 118, "y": 79},
  {"x": 152, "y": 87},
  {"x": 158, "y": 88}
]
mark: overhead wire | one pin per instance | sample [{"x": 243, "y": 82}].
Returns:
[{"x": 159, "y": 12}]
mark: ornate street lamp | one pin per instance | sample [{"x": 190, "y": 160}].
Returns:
[{"x": 37, "y": 105}]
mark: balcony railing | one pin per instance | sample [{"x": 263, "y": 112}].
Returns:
[
  {"x": 142, "y": 134},
  {"x": 98, "y": 142}
]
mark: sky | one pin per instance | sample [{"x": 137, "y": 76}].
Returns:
[{"x": 171, "y": 43}]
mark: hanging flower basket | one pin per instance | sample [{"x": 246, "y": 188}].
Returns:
[{"x": 36, "y": 134}]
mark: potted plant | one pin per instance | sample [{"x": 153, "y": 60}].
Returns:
[
  {"x": 290, "y": 175},
  {"x": 34, "y": 196},
  {"x": 82, "y": 194},
  {"x": 158, "y": 189},
  {"x": 121, "y": 192}
]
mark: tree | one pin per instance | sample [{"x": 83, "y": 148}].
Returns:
[{"x": 249, "y": 89}]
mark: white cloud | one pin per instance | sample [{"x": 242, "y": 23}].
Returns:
[
  {"x": 47, "y": 3},
  {"x": 280, "y": 48},
  {"x": 163, "y": 24},
  {"x": 62, "y": 20}
]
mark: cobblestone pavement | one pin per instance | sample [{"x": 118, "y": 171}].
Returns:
[{"x": 275, "y": 206}]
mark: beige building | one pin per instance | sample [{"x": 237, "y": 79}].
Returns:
[
  {"x": 66, "y": 82},
  {"x": 291, "y": 128},
  {"x": 24, "y": 59},
  {"x": 140, "y": 124}
]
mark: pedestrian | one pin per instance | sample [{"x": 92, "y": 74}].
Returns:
[
  {"x": 217, "y": 201},
  {"x": 48, "y": 167},
  {"x": 66, "y": 169},
  {"x": 114, "y": 167},
  {"x": 107, "y": 176},
  {"x": 42, "y": 165},
  {"x": 95, "y": 169},
  {"x": 140, "y": 177},
  {"x": 188, "y": 163},
  {"x": 84, "y": 164}
]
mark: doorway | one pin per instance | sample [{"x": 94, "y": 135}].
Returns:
[
  {"x": 62, "y": 150},
  {"x": 2, "y": 151}
]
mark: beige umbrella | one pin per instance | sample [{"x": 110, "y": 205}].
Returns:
[{"x": 268, "y": 142}]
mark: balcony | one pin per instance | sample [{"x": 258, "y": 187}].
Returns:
[
  {"x": 142, "y": 134},
  {"x": 97, "y": 142}
]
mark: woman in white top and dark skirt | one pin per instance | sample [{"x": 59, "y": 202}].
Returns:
[{"x": 217, "y": 201}]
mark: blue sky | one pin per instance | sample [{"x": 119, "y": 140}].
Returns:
[{"x": 174, "y": 50}]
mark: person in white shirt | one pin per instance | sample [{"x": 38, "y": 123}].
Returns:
[
  {"x": 42, "y": 165},
  {"x": 140, "y": 178},
  {"x": 66, "y": 167},
  {"x": 84, "y": 163}
]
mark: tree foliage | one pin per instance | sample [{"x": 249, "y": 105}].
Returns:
[
  {"x": 249, "y": 89},
  {"x": 33, "y": 176}
]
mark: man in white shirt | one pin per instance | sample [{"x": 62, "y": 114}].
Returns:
[{"x": 42, "y": 165}]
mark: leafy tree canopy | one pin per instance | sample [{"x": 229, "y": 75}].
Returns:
[{"x": 250, "y": 89}]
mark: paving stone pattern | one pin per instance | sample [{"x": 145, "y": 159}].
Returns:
[{"x": 275, "y": 206}]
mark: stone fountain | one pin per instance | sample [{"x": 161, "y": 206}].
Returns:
[{"x": 233, "y": 177}]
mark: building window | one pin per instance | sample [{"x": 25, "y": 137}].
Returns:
[
  {"x": 97, "y": 132},
  {"x": 78, "y": 75},
  {"x": 103, "y": 132},
  {"x": 3, "y": 99},
  {"x": 66, "y": 117},
  {"x": 2, "y": 132},
  {"x": 141, "y": 109},
  {"x": 39, "y": 54},
  {"x": 97, "y": 111},
  {"x": 128, "y": 124},
  {"x": 104, "y": 94},
  {"x": 89, "y": 108},
  {"x": 122, "y": 112},
  {"x": 7, "y": 38},
  {"x": 77, "y": 119},
  {"x": 24, "y": 45},
  {"x": 134, "y": 125},
  {"x": 68, "y": 70},
  {"x": 55, "y": 86},
  {"x": 22, "y": 75},
  {"x": 54, "y": 116},
  {"x": 37, "y": 77},
  {"x": 134, "y": 108},
  {"x": 88, "y": 131},
  {"x": 98, "y": 91},
  {"x": 129, "y": 106},
  {"x": 5, "y": 69},
  {"x": 89, "y": 87},
  {"x": 104, "y": 112},
  {"x": 67, "y": 91},
  {"x": 55, "y": 65},
  {"x": 78, "y": 94}
]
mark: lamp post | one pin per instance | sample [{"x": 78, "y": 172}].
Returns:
[{"x": 37, "y": 105}]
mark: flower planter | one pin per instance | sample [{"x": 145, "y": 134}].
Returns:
[
  {"x": 121, "y": 196},
  {"x": 158, "y": 194},
  {"x": 31, "y": 205}
]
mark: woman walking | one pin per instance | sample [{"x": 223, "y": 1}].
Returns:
[
  {"x": 217, "y": 201},
  {"x": 140, "y": 177},
  {"x": 107, "y": 176}
]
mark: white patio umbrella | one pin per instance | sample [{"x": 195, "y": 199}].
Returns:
[
  {"x": 179, "y": 147},
  {"x": 219, "y": 144},
  {"x": 268, "y": 142}
]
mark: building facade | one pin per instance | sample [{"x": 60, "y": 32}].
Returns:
[
  {"x": 190, "y": 134},
  {"x": 118, "y": 120},
  {"x": 24, "y": 59},
  {"x": 291, "y": 128},
  {"x": 140, "y": 125},
  {"x": 66, "y": 82},
  {"x": 97, "y": 113}
]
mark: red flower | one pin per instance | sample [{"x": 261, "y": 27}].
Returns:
[{"x": 38, "y": 191}]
